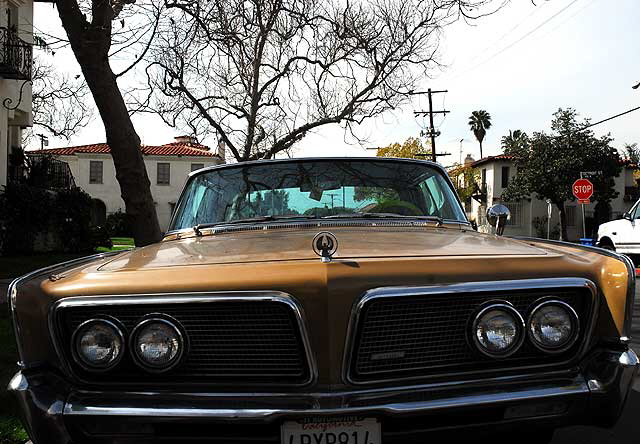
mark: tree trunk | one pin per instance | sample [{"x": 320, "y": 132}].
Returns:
[
  {"x": 481, "y": 149},
  {"x": 90, "y": 44},
  {"x": 563, "y": 221}
]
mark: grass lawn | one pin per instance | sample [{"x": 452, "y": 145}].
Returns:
[
  {"x": 11, "y": 431},
  {"x": 123, "y": 241},
  {"x": 12, "y": 267},
  {"x": 119, "y": 244}
]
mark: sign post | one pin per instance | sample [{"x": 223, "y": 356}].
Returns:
[
  {"x": 548, "y": 217},
  {"x": 583, "y": 190}
]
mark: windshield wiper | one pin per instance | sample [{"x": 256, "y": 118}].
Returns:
[
  {"x": 436, "y": 219},
  {"x": 197, "y": 229}
]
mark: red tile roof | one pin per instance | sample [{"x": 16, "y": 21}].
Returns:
[
  {"x": 503, "y": 157},
  {"x": 169, "y": 149}
]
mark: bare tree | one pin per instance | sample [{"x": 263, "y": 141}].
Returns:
[
  {"x": 59, "y": 103},
  {"x": 261, "y": 74},
  {"x": 89, "y": 25}
]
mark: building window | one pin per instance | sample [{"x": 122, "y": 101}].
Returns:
[
  {"x": 570, "y": 214},
  {"x": 164, "y": 173},
  {"x": 197, "y": 166},
  {"x": 505, "y": 177},
  {"x": 484, "y": 177},
  {"x": 95, "y": 171},
  {"x": 515, "y": 208}
]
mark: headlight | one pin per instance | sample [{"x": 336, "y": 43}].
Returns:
[
  {"x": 98, "y": 344},
  {"x": 553, "y": 326},
  {"x": 498, "y": 330},
  {"x": 157, "y": 344}
]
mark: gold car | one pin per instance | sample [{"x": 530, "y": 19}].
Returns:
[{"x": 324, "y": 301}]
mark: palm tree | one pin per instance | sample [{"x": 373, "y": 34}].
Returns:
[
  {"x": 480, "y": 122},
  {"x": 515, "y": 140}
]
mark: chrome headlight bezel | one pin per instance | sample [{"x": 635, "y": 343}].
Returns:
[
  {"x": 575, "y": 327},
  {"x": 519, "y": 323},
  {"x": 180, "y": 336},
  {"x": 83, "y": 327}
]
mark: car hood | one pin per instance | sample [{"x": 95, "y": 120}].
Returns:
[
  {"x": 287, "y": 245},
  {"x": 613, "y": 225}
]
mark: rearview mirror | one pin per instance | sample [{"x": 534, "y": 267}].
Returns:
[
  {"x": 626, "y": 216},
  {"x": 497, "y": 216}
]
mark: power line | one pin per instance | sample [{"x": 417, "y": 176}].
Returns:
[
  {"x": 591, "y": 125},
  {"x": 568, "y": 18},
  {"x": 533, "y": 12},
  {"x": 608, "y": 118},
  {"x": 517, "y": 41}
]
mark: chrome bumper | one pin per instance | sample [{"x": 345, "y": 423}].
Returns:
[{"x": 595, "y": 394}]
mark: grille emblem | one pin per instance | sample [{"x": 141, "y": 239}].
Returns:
[{"x": 325, "y": 245}]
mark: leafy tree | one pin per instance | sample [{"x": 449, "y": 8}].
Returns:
[
  {"x": 480, "y": 122},
  {"x": 514, "y": 140},
  {"x": 412, "y": 148},
  {"x": 465, "y": 180},
  {"x": 632, "y": 152},
  {"x": 548, "y": 164}
]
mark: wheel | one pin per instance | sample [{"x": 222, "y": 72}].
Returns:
[
  {"x": 544, "y": 436},
  {"x": 607, "y": 245}
]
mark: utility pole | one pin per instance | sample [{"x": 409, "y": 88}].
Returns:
[
  {"x": 44, "y": 140},
  {"x": 432, "y": 131}
]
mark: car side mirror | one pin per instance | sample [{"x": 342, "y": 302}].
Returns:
[
  {"x": 627, "y": 216},
  {"x": 497, "y": 216}
]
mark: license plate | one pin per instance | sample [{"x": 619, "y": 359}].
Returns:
[{"x": 332, "y": 431}]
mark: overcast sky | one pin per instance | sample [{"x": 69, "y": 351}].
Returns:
[{"x": 520, "y": 65}]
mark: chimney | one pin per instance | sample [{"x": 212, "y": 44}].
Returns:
[
  {"x": 221, "y": 150},
  {"x": 189, "y": 140},
  {"x": 468, "y": 160}
]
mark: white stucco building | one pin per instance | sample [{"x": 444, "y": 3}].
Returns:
[
  {"x": 16, "y": 56},
  {"x": 167, "y": 166},
  {"x": 496, "y": 172}
]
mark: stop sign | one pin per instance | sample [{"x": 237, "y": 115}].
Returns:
[{"x": 582, "y": 189}]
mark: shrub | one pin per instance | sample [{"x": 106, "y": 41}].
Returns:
[
  {"x": 33, "y": 218},
  {"x": 119, "y": 224}
]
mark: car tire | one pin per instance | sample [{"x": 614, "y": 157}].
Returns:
[
  {"x": 607, "y": 245},
  {"x": 544, "y": 436}
]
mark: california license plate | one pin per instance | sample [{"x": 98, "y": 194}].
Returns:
[{"x": 350, "y": 430}]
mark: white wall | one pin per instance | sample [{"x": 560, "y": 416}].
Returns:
[
  {"x": 109, "y": 190},
  {"x": 11, "y": 121}
]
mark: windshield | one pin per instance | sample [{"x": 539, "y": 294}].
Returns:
[{"x": 316, "y": 189}]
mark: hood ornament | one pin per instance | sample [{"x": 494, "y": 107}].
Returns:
[{"x": 325, "y": 245}]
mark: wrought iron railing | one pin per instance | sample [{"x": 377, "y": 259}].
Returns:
[
  {"x": 46, "y": 172},
  {"x": 16, "y": 56}
]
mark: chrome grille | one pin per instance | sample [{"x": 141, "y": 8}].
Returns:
[
  {"x": 241, "y": 341},
  {"x": 416, "y": 335}
]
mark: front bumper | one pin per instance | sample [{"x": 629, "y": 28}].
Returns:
[{"x": 594, "y": 394}]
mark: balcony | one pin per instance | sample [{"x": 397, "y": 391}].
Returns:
[{"x": 16, "y": 56}]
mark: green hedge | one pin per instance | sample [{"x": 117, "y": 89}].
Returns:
[{"x": 29, "y": 214}]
